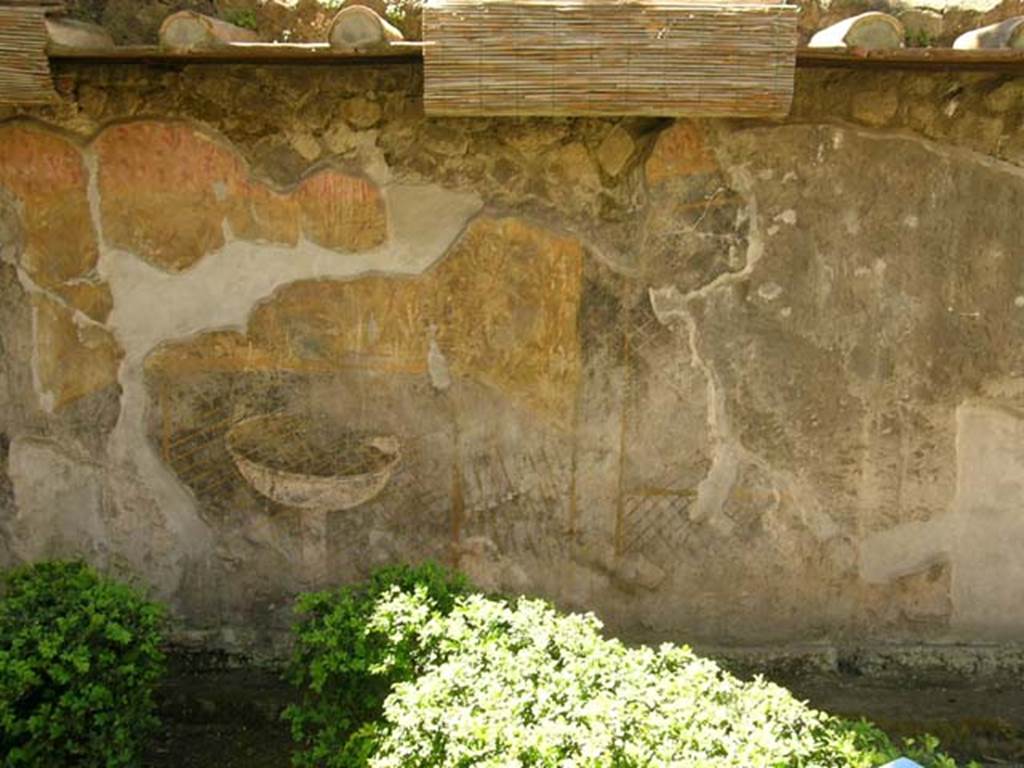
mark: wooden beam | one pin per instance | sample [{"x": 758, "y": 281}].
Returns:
[
  {"x": 403, "y": 52},
  {"x": 913, "y": 58},
  {"x": 245, "y": 53}
]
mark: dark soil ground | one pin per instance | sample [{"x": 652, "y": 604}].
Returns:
[
  {"x": 231, "y": 718},
  {"x": 983, "y": 724},
  {"x": 222, "y": 745},
  {"x": 222, "y": 719}
]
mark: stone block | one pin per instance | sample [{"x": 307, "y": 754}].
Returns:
[{"x": 679, "y": 151}]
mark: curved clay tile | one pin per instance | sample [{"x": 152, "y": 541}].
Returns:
[
  {"x": 871, "y": 31},
  {"x": 191, "y": 31},
  {"x": 1003, "y": 34}
]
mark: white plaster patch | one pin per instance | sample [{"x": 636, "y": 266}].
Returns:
[
  {"x": 668, "y": 304},
  {"x": 1019, "y": 301},
  {"x": 769, "y": 291},
  {"x": 905, "y": 549},
  {"x": 851, "y": 222},
  {"x": 372, "y": 330},
  {"x": 714, "y": 488},
  {"x": 59, "y": 501},
  {"x": 152, "y": 306},
  {"x": 424, "y": 221},
  {"x": 982, "y": 536},
  {"x": 47, "y": 400},
  {"x": 910, "y": 221},
  {"x": 437, "y": 365},
  {"x": 988, "y": 575},
  {"x": 788, "y": 216}
]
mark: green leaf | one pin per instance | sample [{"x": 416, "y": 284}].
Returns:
[{"x": 79, "y": 657}]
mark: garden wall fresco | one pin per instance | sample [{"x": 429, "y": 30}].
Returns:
[{"x": 726, "y": 382}]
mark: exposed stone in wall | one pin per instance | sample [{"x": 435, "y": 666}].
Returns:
[
  {"x": 979, "y": 111},
  {"x": 694, "y": 228},
  {"x": 615, "y": 151},
  {"x": 552, "y": 168},
  {"x": 680, "y": 151}
]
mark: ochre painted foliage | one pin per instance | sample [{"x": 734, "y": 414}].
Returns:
[
  {"x": 501, "y": 306},
  {"x": 45, "y": 175},
  {"x": 167, "y": 190},
  {"x": 74, "y": 358},
  {"x": 168, "y": 193}
]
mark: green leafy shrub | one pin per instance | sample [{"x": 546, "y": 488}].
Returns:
[
  {"x": 79, "y": 657},
  {"x": 397, "y": 11},
  {"x": 242, "y": 17},
  {"x": 518, "y": 684},
  {"x": 346, "y": 673}
]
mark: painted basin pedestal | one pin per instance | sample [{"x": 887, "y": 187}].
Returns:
[{"x": 314, "y": 466}]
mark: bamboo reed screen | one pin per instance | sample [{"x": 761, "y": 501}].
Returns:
[
  {"x": 24, "y": 67},
  {"x": 580, "y": 57}
]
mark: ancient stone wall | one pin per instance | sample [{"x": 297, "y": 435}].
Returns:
[{"x": 720, "y": 382}]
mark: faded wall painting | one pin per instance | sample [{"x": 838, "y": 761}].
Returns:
[
  {"x": 704, "y": 379},
  {"x": 383, "y": 381}
]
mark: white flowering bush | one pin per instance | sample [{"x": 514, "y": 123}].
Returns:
[{"x": 518, "y": 684}]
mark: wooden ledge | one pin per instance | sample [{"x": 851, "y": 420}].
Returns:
[
  {"x": 399, "y": 52},
  {"x": 243, "y": 53},
  {"x": 1005, "y": 60}
]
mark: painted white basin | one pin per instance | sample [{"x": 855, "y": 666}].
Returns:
[{"x": 306, "y": 464}]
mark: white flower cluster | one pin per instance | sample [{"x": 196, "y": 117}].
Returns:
[{"x": 518, "y": 684}]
